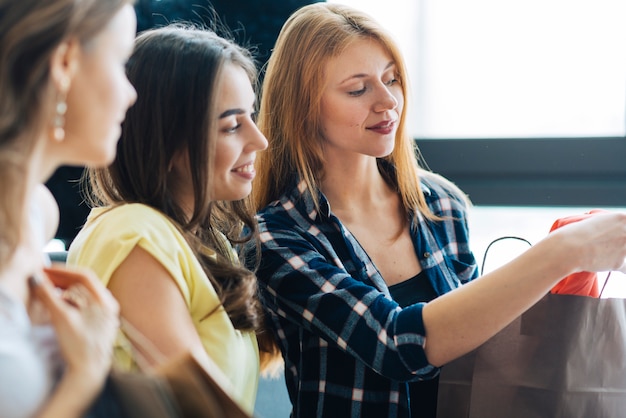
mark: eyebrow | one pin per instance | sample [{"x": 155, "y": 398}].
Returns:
[
  {"x": 231, "y": 112},
  {"x": 362, "y": 75},
  {"x": 234, "y": 111}
]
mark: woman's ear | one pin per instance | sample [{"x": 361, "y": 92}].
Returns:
[
  {"x": 179, "y": 161},
  {"x": 64, "y": 63}
]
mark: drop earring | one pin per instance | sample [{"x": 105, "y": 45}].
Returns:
[{"x": 60, "y": 109}]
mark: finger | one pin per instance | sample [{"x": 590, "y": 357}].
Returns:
[
  {"x": 45, "y": 291},
  {"x": 77, "y": 295},
  {"x": 65, "y": 278}
]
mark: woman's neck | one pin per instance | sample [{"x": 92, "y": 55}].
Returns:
[
  {"x": 355, "y": 185},
  {"x": 28, "y": 256},
  {"x": 42, "y": 163},
  {"x": 14, "y": 276}
]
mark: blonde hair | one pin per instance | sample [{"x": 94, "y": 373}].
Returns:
[{"x": 291, "y": 101}]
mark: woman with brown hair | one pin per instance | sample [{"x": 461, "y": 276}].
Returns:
[
  {"x": 366, "y": 269},
  {"x": 174, "y": 204},
  {"x": 64, "y": 95}
]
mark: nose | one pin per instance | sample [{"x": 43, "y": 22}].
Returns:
[
  {"x": 132, "y": 94},
  {"x": 257, "y": 141},
  {"x": 385, "y": 100}
]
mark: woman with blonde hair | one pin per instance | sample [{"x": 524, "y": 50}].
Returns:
[
  {"x": 64, "y": 95},
  {"x": 366, "y": 270}
]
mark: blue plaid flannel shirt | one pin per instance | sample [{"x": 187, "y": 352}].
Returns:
[{"x": 349, "y": 349}]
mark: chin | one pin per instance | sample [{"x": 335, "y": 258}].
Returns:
[
  {"x": 239, "y": 197},
  {"x": 233, "y": 195},
  {"x": 104, "y": 159},
  {"x": 386, "y": 151},
  {"x": 381, "y": 153}
]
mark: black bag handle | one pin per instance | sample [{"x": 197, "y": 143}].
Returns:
[{"x": 482, "y": 267}]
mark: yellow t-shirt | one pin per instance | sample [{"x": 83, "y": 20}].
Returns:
[{"x": 104, "y": 243}]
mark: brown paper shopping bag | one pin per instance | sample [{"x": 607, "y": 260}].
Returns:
[
  {"x": 565, "y": 357},
  {"x": 197, "y": 390},
  {"x": 182, "y": 387}
]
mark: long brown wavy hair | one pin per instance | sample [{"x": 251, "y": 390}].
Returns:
[{"x": 175, "y": 71}]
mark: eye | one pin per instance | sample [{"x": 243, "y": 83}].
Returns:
[
  {"x": 232, "y": 129},
  {"x": 356, "y": 93},
  {"x": 392, "y": 82},
  {"x": 254, "y": 115}
]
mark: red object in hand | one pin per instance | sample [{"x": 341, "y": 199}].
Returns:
[{"x": 583, "y": 283}]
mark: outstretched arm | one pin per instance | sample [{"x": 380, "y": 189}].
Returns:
[{"x": 461, "y": 320}]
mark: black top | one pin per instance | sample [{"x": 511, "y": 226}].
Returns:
[
  {"x": 414, "y": 290},
  {"x": 423, "y": 394}
]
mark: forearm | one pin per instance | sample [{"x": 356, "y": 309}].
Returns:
[
  {"x": 461, "y": 320},
  {"x": 73, "y": 395}
]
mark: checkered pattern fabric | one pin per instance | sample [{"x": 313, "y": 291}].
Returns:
[{"x": 350, "y": 350}]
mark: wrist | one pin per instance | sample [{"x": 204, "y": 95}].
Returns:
[
  {"x": 74, "y": 394},
  {"x": 84, "y": 383},
  {"x": 562, "y": 253}
]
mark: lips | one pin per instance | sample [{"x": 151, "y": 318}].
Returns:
[
  {"x": 246, "y": 168},
  {"x": 245, "y": 171},
  {"x": 386, "y": 124},
  {"x": 383, "y": 128}
]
